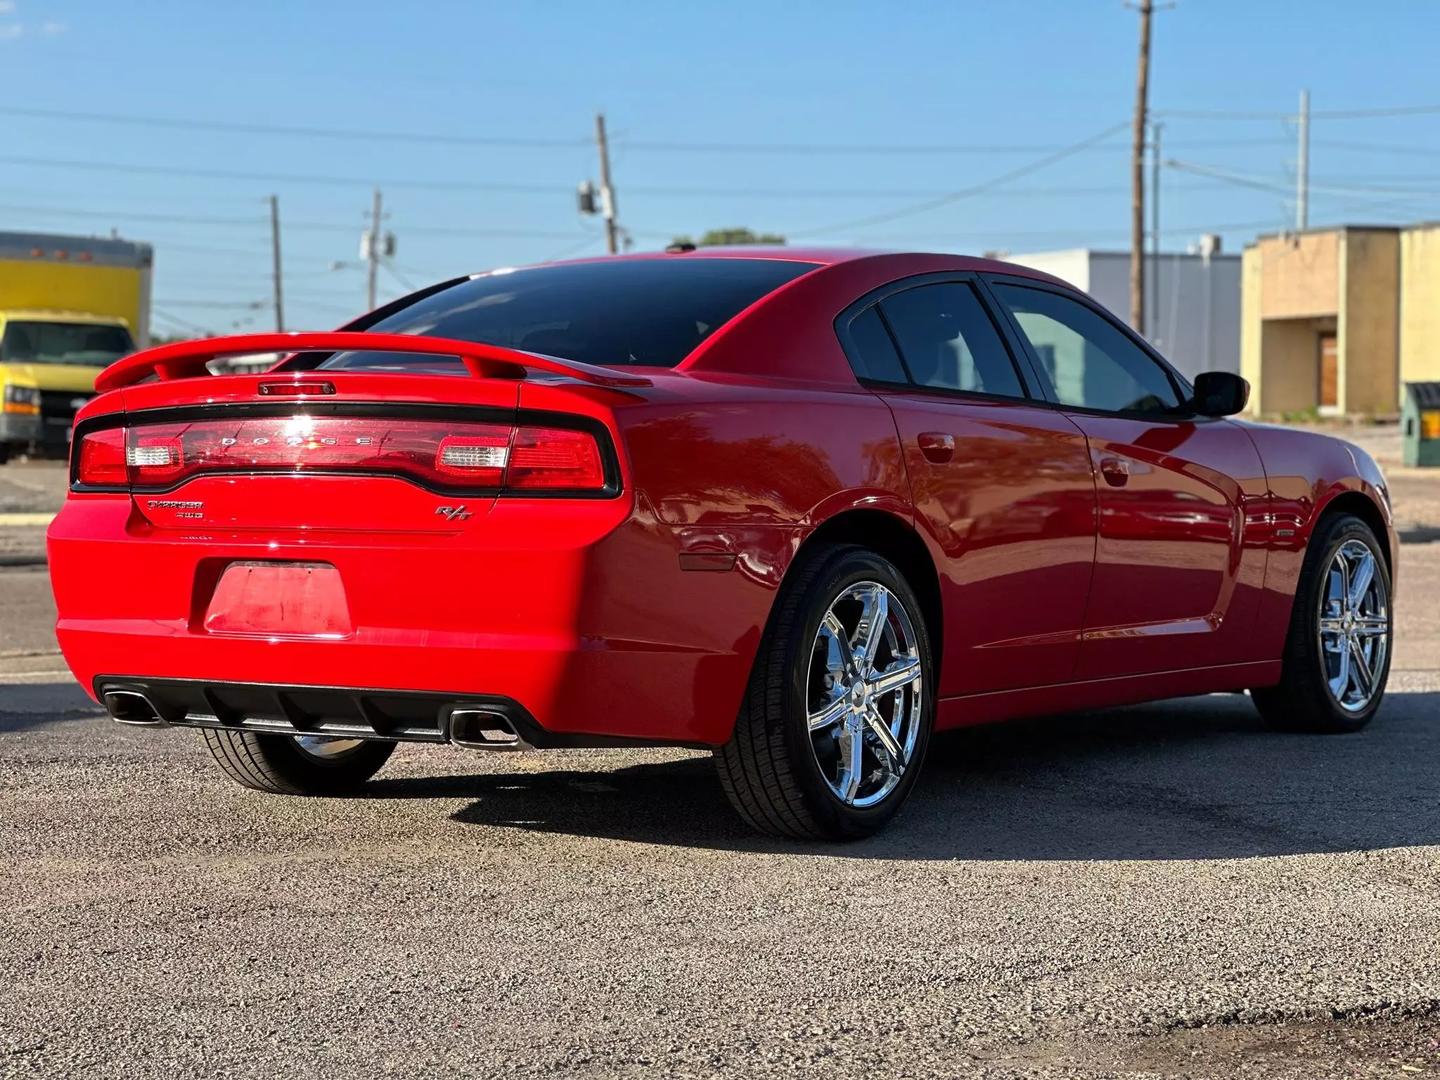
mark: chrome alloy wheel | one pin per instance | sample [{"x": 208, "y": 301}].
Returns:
[
  {"x": 326, "y": 747},
  {"x": 1354, "y": 626},
  {"x": 864, "y": 694}
]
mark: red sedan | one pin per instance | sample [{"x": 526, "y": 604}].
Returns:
[{"x": 803, "y": 508}]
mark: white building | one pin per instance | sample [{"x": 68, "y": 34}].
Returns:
[{"x": 1193, "y": 310}]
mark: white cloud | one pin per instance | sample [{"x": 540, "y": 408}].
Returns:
[
  {"x": 10, "y": 31},
  {"x": 53, "y": 28}
]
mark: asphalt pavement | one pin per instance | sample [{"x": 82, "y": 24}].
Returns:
[{"x": 1155, "y": 891}]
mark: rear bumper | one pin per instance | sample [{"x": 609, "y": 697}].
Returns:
[
  {"x": 335, "y": 712},
  {"x": 579, "y": 616},
  {"x": 17, "y": 428}
]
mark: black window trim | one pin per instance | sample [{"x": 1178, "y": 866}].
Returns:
[
  {"x": 1031, "y": 387},
  {"x": 1184, "y": 414}
]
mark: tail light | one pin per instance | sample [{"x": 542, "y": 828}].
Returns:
[
  {"x": 24, "y": 400},
  {"x": 100, "y": 459},
  {"x": 433, "y": 453}
]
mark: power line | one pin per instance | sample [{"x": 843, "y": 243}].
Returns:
[
  {"x": 1370, "y": 114},
  {"x": 1379, "y": 148},
  {"x": 969, "y": 192},
  {"x": 234, "y": 305},
  {"x": 138, "y": 215},
  {"x": 575, "y": 249},
  {"x": 553, "y": 190},
  {"x": 242, "y": 128},
  {"x": 1325, "y": 114},
  {"x": 1261, "y": 183},
  {"x": 525, "y": 142},
  {"x": 399, "y": 277},
  {"x": 184, "y": 324},
  {"x": 258, "y": 223}
]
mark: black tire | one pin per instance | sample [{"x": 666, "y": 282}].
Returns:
[
  {"x": 277, "y": 764},
  {"x": 768, "y": 769},
  {"x": 4, "y": 454},
  {"x": 1303, "y": 702}
]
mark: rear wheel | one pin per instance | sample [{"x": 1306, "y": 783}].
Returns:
[
  {"x": 1337, "y": 652},
  {"x": 297, "y": 765},
  {"x": 838, "y": 713}
]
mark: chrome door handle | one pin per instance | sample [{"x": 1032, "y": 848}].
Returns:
[
  {"x": 1115, "y": 470},
  {"x": 937, "y": 446}
]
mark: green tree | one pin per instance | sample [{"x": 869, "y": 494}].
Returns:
[{"x": 720, "y": 237}]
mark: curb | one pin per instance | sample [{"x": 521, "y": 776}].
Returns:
[
  {"x": 26, "y": 520},
  {"x": 8, "y": 562}
]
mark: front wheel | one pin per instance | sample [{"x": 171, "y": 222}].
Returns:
[
  {"x": 834, "y": 726},
  {"x": 1337, "y": 652},
  {"x": 296, "y": 765}
]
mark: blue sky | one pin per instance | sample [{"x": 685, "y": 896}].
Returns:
[{"x": 797, "y": 117}]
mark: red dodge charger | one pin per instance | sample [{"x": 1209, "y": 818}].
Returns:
[{"x": 800, "y": 507}]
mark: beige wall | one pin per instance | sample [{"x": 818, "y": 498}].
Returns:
[
  {"x": 1292, "y": 365},
  {"x": 1420, "y": 304},
  {"x": 1299, "y": 275},
  {"x": 1369, "y": 327},
  {"x": 1347, "y": 280}
]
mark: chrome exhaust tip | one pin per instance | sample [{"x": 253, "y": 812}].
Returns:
[
  {"x": 484, "y": 729},
  {"x": 131, "y": 707}
]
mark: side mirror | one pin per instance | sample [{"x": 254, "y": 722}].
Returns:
[{"x": 1220, "y": 393}]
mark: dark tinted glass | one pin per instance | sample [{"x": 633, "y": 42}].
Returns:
[
  {"x": 645, "y": 311},
  {"x": 1090, "y": 362},
  {"x": 874, "y": 353},
  {"x": 949, "y": 342},
  {"x": 65, "y": 343}
]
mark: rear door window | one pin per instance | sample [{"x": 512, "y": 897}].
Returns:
[
  {"x": 948, "y": 341},
  {"x": 873, "y": 354},
  {"x": 651, "y": 312}
]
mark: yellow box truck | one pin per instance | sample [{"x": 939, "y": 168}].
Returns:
[{"x": 69, "y": 306}]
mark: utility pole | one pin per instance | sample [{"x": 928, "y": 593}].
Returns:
[
  {"x": 1152, "y": 314},
  {"x": 607, "y": 191},
  {"x": 372, "y": 252},
  {"x": 1302, "y": 163},
  {"x": 275, "y": 262},
  {"x": 1137, "y": 172}
]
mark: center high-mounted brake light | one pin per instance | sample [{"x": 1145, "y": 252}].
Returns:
[{"x": 434, "y": 453}]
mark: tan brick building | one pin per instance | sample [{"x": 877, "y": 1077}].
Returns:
[{"x": 1336, "y": 320}]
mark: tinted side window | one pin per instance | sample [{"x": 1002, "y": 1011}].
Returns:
[
  {"x": 1090, "y": 362},
  {"x": 949, "y": 342},
  {"x": 873, "y": 352}
]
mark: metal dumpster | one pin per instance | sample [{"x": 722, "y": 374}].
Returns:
[{"x": 1420, "y": 423}]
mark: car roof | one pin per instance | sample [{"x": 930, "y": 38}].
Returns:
[{"x": 825, "y": 256}]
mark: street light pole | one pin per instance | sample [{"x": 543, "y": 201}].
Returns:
[
  {"x": 607, "y": 190},
  {"x": 1137, "y": 172},
  {"x": 1152, "y": 314},
  {"x": 1302, "y": 164},
  {"x": 275, "y": 261},
  {"x": 372, "y": 253}
]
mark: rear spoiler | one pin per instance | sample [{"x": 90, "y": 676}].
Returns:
[{"x": 188, "y": 359}]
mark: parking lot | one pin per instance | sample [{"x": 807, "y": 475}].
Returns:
[{"x": 1147, "y": 891}]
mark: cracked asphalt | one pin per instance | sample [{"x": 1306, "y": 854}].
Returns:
[{"x": 1162, "y": 890}]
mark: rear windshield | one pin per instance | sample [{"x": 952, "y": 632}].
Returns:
[
  {"x": 651, "y": 312},
  {"x": 28, "y": 342}
]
